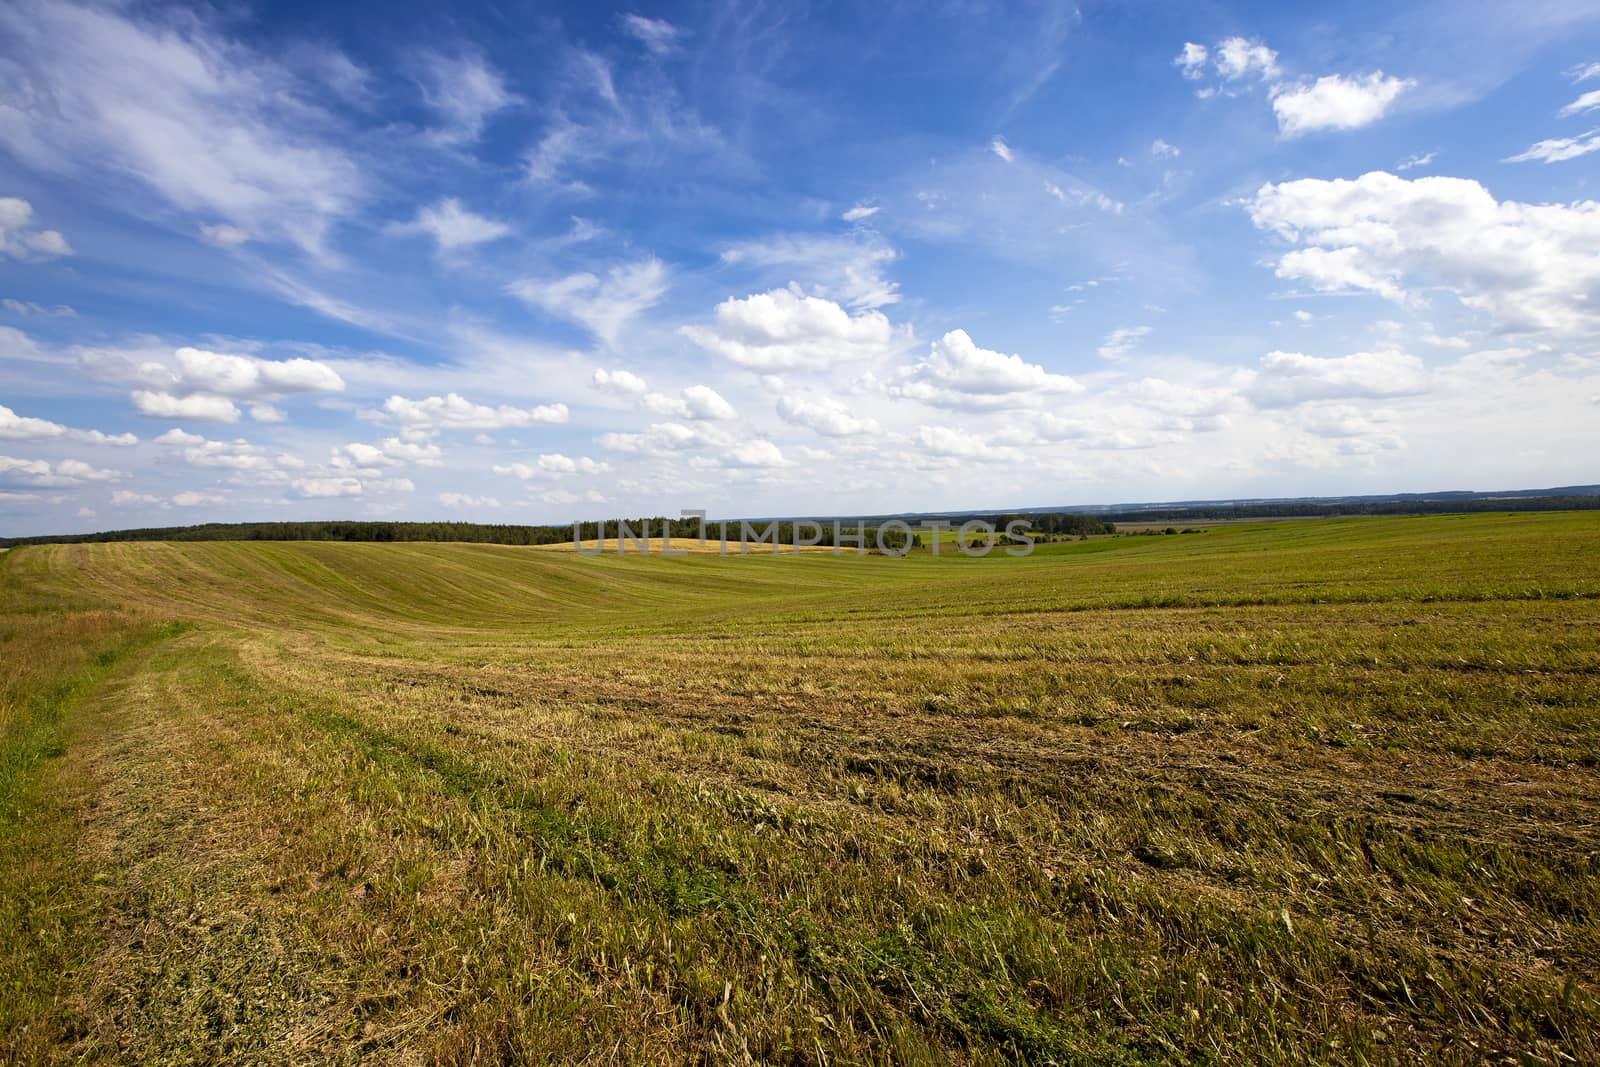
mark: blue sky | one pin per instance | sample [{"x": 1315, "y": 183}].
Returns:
[{"x": 530, "y": 263}]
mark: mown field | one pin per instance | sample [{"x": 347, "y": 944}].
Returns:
[{"x": 1318, "y": 791}]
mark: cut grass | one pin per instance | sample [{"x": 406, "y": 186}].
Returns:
[{"x": 1313, "y": 791}]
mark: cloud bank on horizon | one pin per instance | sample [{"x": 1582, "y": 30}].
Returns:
[{"x": 622, "y": 260}]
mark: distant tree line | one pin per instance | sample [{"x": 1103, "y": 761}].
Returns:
[
  {"x": 471, "y": 532},
  {"x": 1052, "y": 525},
  {"x": 1331, "y": 509}
]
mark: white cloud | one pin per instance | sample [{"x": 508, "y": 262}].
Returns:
[
  {"x": 191, "y": 499},
  {"x": 1192, "y": 60},
  {"x": 1422, "y": 159},
  {"x": 959, "y": 444},
  {"x": 1084, "y": 196},
  {"x": 630, "y": 117},
  {"x": 1120, "y": 342},
  {"x": 38, "y": 472},
  {"x": 785, "y": 329},
  {"x": 695, "y": 402},
  {"x": 604, "y": 306},
  {"x": 755, "y": 454},
  {"x": 999, "y": 147},
  {"x": 825, "y": 415},
  {"x": 717, "y": 448},
  {"x": 18, "y": 238},
  {"x": 451, "y": 226},
  {"x": 554, "y": 463},
  {"x": 566, "y": 496},
  {"x": 1237, "y": 57},
  {"x": 223, "y": 235},
  {"x": 123, "y": 498},
  {"x": 1162, "y": 150},
  {"x": 247, "y": 376},
  {"x": 958, "y": 374},
  {"x": 658, "y": 438},
  {"x": 465, "y": 91},
  {"x": 657, "y": 35},
  {"x": 199, "y": 407},
  {"x": 462, "y": 500},
  {"x": 1587, "y": 102},
  {"x": 620, "y": 382},
  {"x": 1289, "y": 378},
  {"x": 1559, "y": 149},
  {"x": 328, "y": 487},
  {"x": 454, "y": 412},
  {"x": 14, "y": 427},
  {"x": 1336, "y": 102},
  {"x": 848, "y": 269},
  {"x": 859, "y": 213},
  {"x": 267, "y": 413},
  {"x": 1584, "y": 71},
  {"x": 1526, "y": 266},
  {"x": 390, "y": 452},
  {"x": 28, "y": 307},
  {"x": 211, "y": 126},
  {"x": 237, "y": 455}
]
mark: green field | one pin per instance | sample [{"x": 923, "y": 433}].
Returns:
[{"x": 1313, "y": 791}]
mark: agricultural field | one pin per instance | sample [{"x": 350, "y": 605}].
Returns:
[{"x": 1314, "y": 791}]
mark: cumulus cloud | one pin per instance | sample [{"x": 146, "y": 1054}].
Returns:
[
  {"x": 825, "y": 415},
  {"x": 1238, "y": 57},
  {"x": 603, "y": 306},
  {"x": 1526, "y": 266},
  {"x": 124, "y": 498},
  {"x": 1192, "y": 60},
  {"x": 620, "y": 382},
  {"x": 14, "y": 427},
  {"x": 19, "y": 239},
  {"x": 954, "y": 443},
  {"x": 40, "y": 473},
  {"x": 554, "y": 464},
  {"x": 785, "y": 329},
  {"x": 1336, "y": 102},
  {"x": 328, "y": 487},
  {"x": 455, "y": 412},
  {"x": 999, "y": 147},
  {"x": 958, "y": 374},
  {"x": 191, "y": 499},
  {"x": 462, "y": 500},
  {"x": 451, "y": 226},
  {"x": 197, "y": 407},
  {"x": 244, "y": 377},
  {"x": 390, "y": 452},
  {"x": 695, "y": 402},
  {"x": 248, "y": 462},
  {"x": 1289, "y": 378}
]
